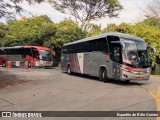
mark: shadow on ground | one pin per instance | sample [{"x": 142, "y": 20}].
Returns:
[
  {"x": 118, "y": 82},
  {"x": 10, "y": 80}
]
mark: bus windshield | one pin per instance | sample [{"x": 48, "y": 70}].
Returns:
[
  {"x": 135, "y": 53},
  {"x": 46, "y": 55}
]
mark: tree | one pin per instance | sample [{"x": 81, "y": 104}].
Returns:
[
  {"x": 3, "y": 30},
  {"x": 33, "y": 31},
  {"x": 13, "y": 4},
  {"x": 93, "y": 29},
  {"x": 123, "y": 28},
  {"x": 110, "y": 28},
  {"x": 84, "y": 11},
  {"x": 153, "y": 9},
  {"x": 154, "y": 22},
  {"x": 67, "y": 31},
  {"x": 40, "y": 31}
]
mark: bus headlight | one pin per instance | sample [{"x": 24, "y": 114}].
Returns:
[
  {"x": 134, "y": 72},
  {"x": 123, "y": 68},
  {"x": 148, "y": 71},
  {"x": 129, "y": 69}
]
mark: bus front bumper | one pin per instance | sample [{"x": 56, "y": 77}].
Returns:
[
  {"x": 139, "y": 76},
  {"x": 46, "y": 63}
]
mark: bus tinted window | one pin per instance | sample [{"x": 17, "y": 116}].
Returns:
[
  {"x": 35, "y": 53},
  {"x": 1, "y": 52},
  {"x": 27, "y": 51},
  {"x": 89, "y": 46},
  {"x": 98, "y": 45},
  {"x": 13, "y": 51},
  {"x": 17, "y": 51}
]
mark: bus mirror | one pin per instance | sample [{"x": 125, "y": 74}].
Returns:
[
  {"x": 53, "y": 53},
  {"x": 152, "y": 48}
]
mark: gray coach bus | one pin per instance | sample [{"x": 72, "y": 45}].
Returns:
[{"x": 108, "y": 56}]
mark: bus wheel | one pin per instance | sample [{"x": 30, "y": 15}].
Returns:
[
  {"x": 69, "y": 70},
  {"x": 29, "y": 65},
  {"x": 4, "y": 64},
  {"x": 103, "y": 75}
]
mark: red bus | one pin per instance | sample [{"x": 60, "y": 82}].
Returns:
[{"x": 32, "y": 55}]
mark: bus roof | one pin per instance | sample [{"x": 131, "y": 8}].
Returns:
[
  {"x": 121, "y": 35},
  {"x": 11, "y": 47},
  {"x": 37, "y": 47}
]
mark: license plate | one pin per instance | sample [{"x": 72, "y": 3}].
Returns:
[{"x": 138, "y": 78}]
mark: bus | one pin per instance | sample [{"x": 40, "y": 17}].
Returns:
[
  {"x": 32, "y": 55},
  {"x": 108, "y": 56}
]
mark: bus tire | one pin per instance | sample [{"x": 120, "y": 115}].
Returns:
[
  {"x": 103, "y": 75},
  {"x": 69, "y": 70},
  {"x": 4, "y": 64},
  {"x": 29, "y": 65}
]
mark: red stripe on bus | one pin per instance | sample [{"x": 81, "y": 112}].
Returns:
[{"x": 73, "y": 64}]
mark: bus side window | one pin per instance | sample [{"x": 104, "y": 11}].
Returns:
[
  {"x": 1, "y": 52},
  {"x": 102, "y": 46},
  {"x": 27, "y": 51},
  {"x": 70, "y": 49},
  {"x": 98, "y": 45},
  {"x": 35, "y": 53}
]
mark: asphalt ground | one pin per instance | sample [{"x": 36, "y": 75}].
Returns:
[{"x": 53, "y": 90}]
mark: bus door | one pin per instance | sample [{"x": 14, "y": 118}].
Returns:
[{"x": 116, "y": 59}]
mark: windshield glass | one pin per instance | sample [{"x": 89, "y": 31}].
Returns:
[
  {"x": 135, "y": 53},
  {"x": 46, "y": 55}
]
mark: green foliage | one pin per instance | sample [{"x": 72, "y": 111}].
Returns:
[
  {"x": 123, "y": 28},
  {"x": 42, "y": 31},
  {"x": 3, "y": 30},
  {"x": 110, "y": 28},
  {"x": 66, "y": 31},
  {"x": 33, "y": 31},
  {"x": 8, "y": 40},
  {"x": 155, "y": 22},
  {"x": 93, "y": 29}
]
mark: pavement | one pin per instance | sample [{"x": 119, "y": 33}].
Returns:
[{"x": 53, "y": 90}]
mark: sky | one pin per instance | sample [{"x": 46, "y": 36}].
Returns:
[{"x": 130, "y": 14}]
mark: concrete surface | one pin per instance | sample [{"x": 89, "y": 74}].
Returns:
[{"x": 53, "y": 90}]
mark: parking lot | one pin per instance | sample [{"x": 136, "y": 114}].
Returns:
[{"x": 53, "y": 90}]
